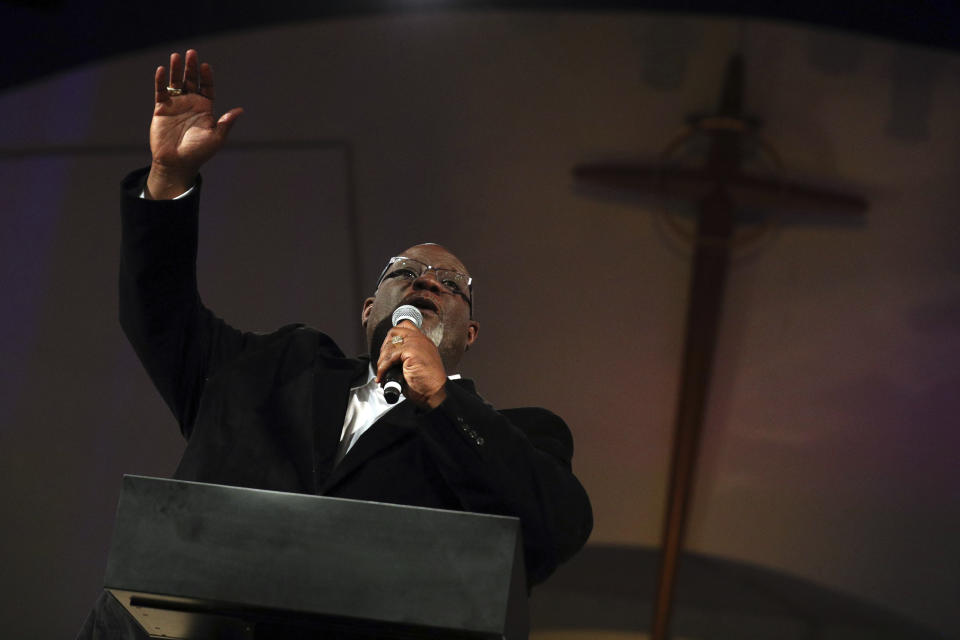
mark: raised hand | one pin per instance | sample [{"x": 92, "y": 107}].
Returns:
[{"x": 184, "y": 133}]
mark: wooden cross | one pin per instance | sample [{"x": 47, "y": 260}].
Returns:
[{"x": 719, "y": 187}]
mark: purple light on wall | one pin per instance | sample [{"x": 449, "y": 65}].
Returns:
[{"x": 35, "y": 187}]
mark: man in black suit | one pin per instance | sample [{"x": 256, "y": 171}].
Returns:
[{"x": 288, "y": 410}]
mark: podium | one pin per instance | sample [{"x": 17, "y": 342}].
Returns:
[{"x": 197, "y": 561}]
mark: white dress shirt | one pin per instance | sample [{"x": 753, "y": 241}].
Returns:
[{"x": 365, "y": 406}]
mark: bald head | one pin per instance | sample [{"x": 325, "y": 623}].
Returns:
[{"x": 439, "y": 254}]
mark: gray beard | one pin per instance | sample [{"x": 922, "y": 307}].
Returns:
[{"x": 435, "y": 334}]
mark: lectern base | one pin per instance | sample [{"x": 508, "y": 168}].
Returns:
[{"x": 182, "y": 618}]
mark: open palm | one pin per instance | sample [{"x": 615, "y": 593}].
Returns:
[{"x": 184, "y": 132}]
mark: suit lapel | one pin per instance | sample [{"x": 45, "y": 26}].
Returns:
[
  {"x": 397, "y": 424},
  {"x": 332, "y": 381}
]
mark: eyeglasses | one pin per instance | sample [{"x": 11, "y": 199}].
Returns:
[{"x": 409, "y": 269}]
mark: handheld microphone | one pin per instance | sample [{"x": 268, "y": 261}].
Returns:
[{"x": 393, "y": 378}]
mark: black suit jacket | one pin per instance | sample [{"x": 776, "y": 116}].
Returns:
[{"x": 267, "y": 410}]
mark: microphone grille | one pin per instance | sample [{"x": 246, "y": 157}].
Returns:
[{"x": 407, "y": 312}]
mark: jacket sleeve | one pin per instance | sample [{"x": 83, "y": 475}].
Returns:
[
  {"x": 178, "y": 340},
  {"x": 516, "y": 462}
]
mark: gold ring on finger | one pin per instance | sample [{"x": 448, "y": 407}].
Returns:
[
  {"x": 396, "y": 340},
  {"x": 174, "y": 91}
]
